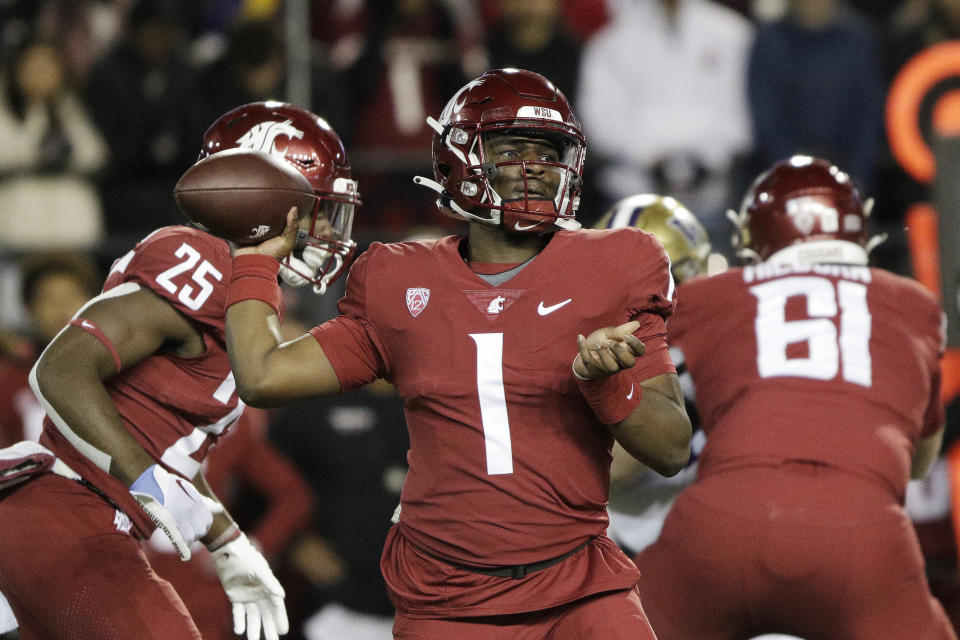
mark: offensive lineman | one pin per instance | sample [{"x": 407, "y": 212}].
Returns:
[{"x": 817, "y": 384}]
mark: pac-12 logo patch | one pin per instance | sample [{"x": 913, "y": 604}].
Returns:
[{"x": 417, "y": 298}]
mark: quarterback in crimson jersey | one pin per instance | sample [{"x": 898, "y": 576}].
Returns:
[
  {"x": 817, "y": 384},
  {"x": 137, "y": 388},
  {"x": 522, "y": 351}
]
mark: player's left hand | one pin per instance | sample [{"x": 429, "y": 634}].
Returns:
[
  {"x": 279, "y": 246},
  {"x": 254, "y": 591},
  {"x": 181, "y": 512},
  {"x": 607, "y": 351}
]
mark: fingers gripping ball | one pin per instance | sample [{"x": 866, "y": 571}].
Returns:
[{"x": 242, "y": 195}]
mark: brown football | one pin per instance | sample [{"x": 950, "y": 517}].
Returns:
[{"x": 242, "y": 195}]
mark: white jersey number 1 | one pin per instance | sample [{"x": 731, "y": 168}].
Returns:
[{"x": 493, "y": 402}]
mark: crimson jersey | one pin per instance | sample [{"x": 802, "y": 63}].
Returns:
[
  {"x": 175, "y": 407},
  {"x": 508, "y": 464},
  {"x": 827, "y": 363}
]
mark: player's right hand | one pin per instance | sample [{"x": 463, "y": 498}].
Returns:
[
  {"x": 175, "y": 506},
  {"x": 280, "y": 246},
  {"x": 255, "y": 593}
]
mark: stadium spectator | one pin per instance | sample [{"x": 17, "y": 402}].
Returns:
[
  {"x": 396, "y": 62},
  {"x": 85, "y": 28},
  {"x": 805, "y": 71},
  {"x": 50, "y": 153},
  {"x": 140, "y": 94},
  {"x": 253, "y": 67},
  {"x": 532, "y": 34},
  {"x": 53, "y": 286},
  {"x": 137, "y": 389},
  {"x": 502, "y": 520},
  {"x": 677, "y": 124},
  {"x": 819, "y": 403}
]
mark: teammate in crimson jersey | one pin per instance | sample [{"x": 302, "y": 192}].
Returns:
[
  {"x": 502, "y": 523},
  {"x": 137, "y": 389},
  {"x": 817, "y": 383}
]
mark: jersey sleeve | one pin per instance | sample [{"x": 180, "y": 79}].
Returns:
[
  {"x": 188, "y": 270},
  {"x": 654, "y": 290},
  {"x": 350, "y": 341},
  {"x": 651, "y": 303}
]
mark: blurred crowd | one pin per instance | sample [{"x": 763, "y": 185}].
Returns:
[{"x": 103, "y": 104}]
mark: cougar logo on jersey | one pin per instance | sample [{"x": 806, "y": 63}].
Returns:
[
  {"x": 493, "y": 303},
  {"x": 496, "y": 305},
  {"x": 417, "y": 299},
  {"x": 263, "y": 137},
  {"x": 259, "y": 231}
]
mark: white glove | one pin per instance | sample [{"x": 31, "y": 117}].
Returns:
[
  {"x": 175, "y": 506},
  {"x": 256, "y": 594}
]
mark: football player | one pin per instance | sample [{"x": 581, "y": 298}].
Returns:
[
  {"x": 137, "y": 388},
  {"x": 522, "y": 350},
  {"x": 817, "y": 384},
  {"x": 640, "y": 498}
]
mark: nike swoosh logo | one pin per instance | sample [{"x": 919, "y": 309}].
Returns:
[
  {"x": 630, "y": 395},
  {"x": 519, "y": 227},
  {"x": 542, "y": 310},
  {"x": 86, "y": 324}
]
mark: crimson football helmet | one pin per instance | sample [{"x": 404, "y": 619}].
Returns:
[
  {"x": 803, "y": 210},
  {"x": 506, "y": 101},
  {"x": 307, "y": 142}
]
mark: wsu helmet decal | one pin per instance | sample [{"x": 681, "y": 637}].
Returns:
[
  {"x": 310, "y": 144},
  {"x": 263, "y": 137},
  {"x": 803, "y": 210}
]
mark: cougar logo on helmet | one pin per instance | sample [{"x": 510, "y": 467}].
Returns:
[
  {"x": 804, "y": 210},
  {"x": 309, "y": 144},
  {"x": 262, "y": 137}
]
